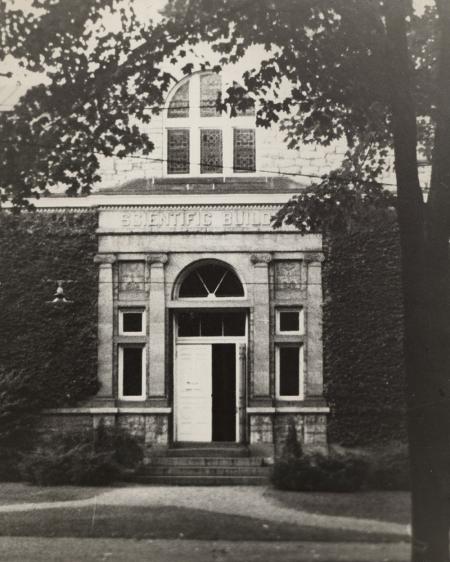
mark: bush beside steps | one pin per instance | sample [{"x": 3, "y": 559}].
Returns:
[
  {"x": 319, "y": 472},
  {"x": 89, "y": 458},
  {"x": 340, "y": 470}
]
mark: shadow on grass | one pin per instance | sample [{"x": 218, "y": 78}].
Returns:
[
  {"x": 19, "y": 492},
  {"x": 391, "y": 507},
  {"x": 167, "y": 523}
]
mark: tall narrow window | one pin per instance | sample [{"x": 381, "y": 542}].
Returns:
[
  {"x": 131, "y": 372},
  {"x": 179, "y": 105},
  {"x": 210, "y": 88},
  {"x": 211, "y": 151},
  {"x": 178, "y": 151},
  {"x": 244, "y": 150},
  {"x": 289, "y": 369}
]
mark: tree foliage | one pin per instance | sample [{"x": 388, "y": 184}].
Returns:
[
  {"x": 325, "y": 65},
  {"x": 104, "y": 71},
  {"x": 335, "y": 204},
  {"x": 96, "y": 82}
]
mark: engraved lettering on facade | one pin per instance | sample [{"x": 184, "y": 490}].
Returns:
[{"x": 190, "y": 220}]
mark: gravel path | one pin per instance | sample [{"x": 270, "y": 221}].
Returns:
[{"x": 250, "y": 501}]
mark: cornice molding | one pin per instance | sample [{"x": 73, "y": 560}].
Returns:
[{"x": 202, "y": 206}]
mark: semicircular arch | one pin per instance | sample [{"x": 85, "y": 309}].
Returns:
[{"x": 208, "y": 279}]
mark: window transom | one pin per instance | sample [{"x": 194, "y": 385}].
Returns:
[{"x": 211, "y": 281}]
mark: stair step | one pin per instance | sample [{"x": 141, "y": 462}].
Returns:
[
  {"x": 202, "y": 480},
  {"x": 208, "y": 452},
  {"x": 205, "y": 471},
  {"x": 206, "y": 461},
  {"x": 207, "y": 445}
]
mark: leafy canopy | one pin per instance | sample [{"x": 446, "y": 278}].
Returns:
[
  {"x": 101, "y": 69},
  {"x": 323, "y": 78}
]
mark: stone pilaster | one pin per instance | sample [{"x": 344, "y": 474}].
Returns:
[
  {"x": 157, "y": 315},
  {"x": 314, "y": 348},
  {"x": 242, "y": 414},
  {"x": 105, "y": 325},
  {"x": 261, "y": 326}
]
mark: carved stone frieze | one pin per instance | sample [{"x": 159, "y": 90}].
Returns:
[
  {"x": 288, "y": 275},
  {"x": 131, "y": 276}
]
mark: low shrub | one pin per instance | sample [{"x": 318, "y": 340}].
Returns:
[
  {"x": 90, "y": 458},
  {"x": 389, "y": 469},
  {"x": 320, "y": 472},
  {"x": 127, "y": 451},
  {"x": 9, "y": 464}
]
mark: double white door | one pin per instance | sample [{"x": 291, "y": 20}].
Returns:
[{"x": 194, "y": 392}]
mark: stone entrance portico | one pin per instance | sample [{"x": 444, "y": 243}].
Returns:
[{"x": 144, "y": 251}]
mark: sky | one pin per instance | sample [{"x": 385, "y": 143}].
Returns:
[{"x": 11, "y": 89}]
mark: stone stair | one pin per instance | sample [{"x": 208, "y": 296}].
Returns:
[{"x": 212, "y": 464}]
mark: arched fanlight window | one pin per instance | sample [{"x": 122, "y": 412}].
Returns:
[
  {"x": 200, "y": 139},
  {"x": 211, "y": 281}
]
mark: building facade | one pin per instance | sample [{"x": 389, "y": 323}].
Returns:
[{"x": 209, "y": 320}]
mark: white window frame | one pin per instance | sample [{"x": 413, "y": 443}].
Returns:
[
  {"x": 132, "y": 310},
  {"x": 301, "y": 358},
  {"x": 301, "y": 321},
  {"x": 121, "y": 356}
]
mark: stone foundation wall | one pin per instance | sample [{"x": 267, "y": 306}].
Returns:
[
  {"x": 269, "y": 431},
  {"x": 150, "y": 430},
  {"x": 315, "y": 430},
  {"x": 266, "y": 432}
]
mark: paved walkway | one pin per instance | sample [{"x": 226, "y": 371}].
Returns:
[
  {"x": 250, "y": 501},
  {"x": 124, "y": 550}
]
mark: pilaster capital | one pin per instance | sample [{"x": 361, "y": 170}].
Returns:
[
  {"x": 311, "y": 257},
  {"x": 160, "y": 259},
  {"x": 261, "y": 259},
  {"x": 105, "y": 259}
]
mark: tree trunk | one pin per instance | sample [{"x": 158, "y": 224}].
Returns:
[{"x": 424, "y": 246}]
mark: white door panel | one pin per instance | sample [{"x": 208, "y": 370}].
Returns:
[{"x": 194, "y": 388}]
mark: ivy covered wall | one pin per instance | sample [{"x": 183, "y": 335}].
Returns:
[
  {"x": 56, "y": 345},
  {"x": 53, "y": 346},
  {"x": 363, "y": 335}
]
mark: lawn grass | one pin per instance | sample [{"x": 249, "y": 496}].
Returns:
[
  {"x": 166, "y": 522},
  {"x": 392, "y": 507},
  {"x": 19, "y": 492}
]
